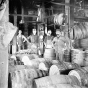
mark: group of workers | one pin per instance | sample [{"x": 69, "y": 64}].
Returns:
[{"x": 59, "y": 42}]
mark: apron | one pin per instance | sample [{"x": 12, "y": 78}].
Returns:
[{"x": 49, "y": 43}]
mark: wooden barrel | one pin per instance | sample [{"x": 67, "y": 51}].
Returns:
[
  {"x": 56, "y": 79},
  {"x": 79, "y": 31},
  {"x": 61, "y": 86},
  {"x": 84, "y": 43},
  {"x": 67, "y": 55},
  {"x": 77, "y": 56},
  {"x": 49, "y": 54},
  {"x": 57, "y": 69},
  {"x": 23, "y": 78},
  {"x": 81, "y": 74}
]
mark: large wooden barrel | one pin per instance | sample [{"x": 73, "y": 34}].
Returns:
[
  {"x": 57, "y": 68},
  {"x": 49, "y": 54},
  {"x": 56, "y": 79},
  {"x": 81, "y": 74},
  {"x": 77, "y": 56},
  {"x": 23, "y": 78},
  {"x": 84, "y": 43},
  {"x": 61, "y": 86},
  {"x": 79, "y": 31}
]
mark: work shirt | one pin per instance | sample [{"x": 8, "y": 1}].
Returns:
[
  {"x": 60, "y": 43},
  {"x": 33, "y": 38},
  {"x": 21, "y": 39}
]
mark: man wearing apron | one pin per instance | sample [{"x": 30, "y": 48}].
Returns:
[
  {"x": 60, "y": 43},
  {"x": 20, "y": 40},
  {"x": 48, "y": 40}
]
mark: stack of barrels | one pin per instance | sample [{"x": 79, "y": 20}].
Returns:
[{"x": 50, "y": 73}]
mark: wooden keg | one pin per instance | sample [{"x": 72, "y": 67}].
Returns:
[
  {"x": 58, "y": 68},
  {"x": 79, "y": 31},
  {"x": 62, "y": 86},
  {"x": 56, "y": 79},
  {"x": 67, "y": 55},
  {"x": 81, "y": 74},
  {"x": 49, "y": 54},
  {"x": 23, "y": 78},
  {"x": 84, "y": 43},
  {"x": 77, "y": 56}
]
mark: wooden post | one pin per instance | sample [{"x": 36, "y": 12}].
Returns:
[
  {"x": 4, "y": 55},
  {"x": 22, "y": 13},
  {"x": 67, "y": 12},
  {"x": 14, "y": 46}
]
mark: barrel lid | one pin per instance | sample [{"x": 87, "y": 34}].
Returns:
[
  {"x": 42, "y": 66},
  {"x": 26, "y": 60},
  {"x": 76, "y": 74},
  {"x": 54, "y": 70}
]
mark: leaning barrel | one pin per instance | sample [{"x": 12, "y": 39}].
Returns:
[
  {"x": 61, "y": 86},
  {"x": 49, "y": 54},
  {"x": 56, "y": 79},
  {"x": 81, "y": 74},
  {"x": 79, "y": 31},
  {"x": 23, "y": 78}
]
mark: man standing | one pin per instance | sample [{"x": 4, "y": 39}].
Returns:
[
  {"x": 60, "y": 43},
  {"x": 48, "y": 39},
  {"x": 20, "y": 40},
  {"x": 33, "y": 38}
]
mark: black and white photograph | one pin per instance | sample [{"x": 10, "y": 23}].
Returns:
[{"x": 43, "y": 43}]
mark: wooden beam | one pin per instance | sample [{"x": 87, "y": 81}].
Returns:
[{"x": 23, "y": 15}]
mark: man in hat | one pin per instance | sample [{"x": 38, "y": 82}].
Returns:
[{"x": 60, "y": 43}]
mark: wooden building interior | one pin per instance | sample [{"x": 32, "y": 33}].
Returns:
[{"x": 43, "y": 71}]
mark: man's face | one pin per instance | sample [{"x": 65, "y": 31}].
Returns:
[
  {"x": 58, "y": 33},
  {"x": 49, "y": 32},
  {"x": 34, "y": 31},
  {"x": 20, "y": 32}
]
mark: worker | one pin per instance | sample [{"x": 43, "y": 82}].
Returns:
[
  {"x": 33, "y": 38},
  {"x": 20, "y": 40},
  {"x": 48, "y": 39},
  {"x": 60, "y": 44}
]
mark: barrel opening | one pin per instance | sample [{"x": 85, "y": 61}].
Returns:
[{"x": 65, "y": 72}]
